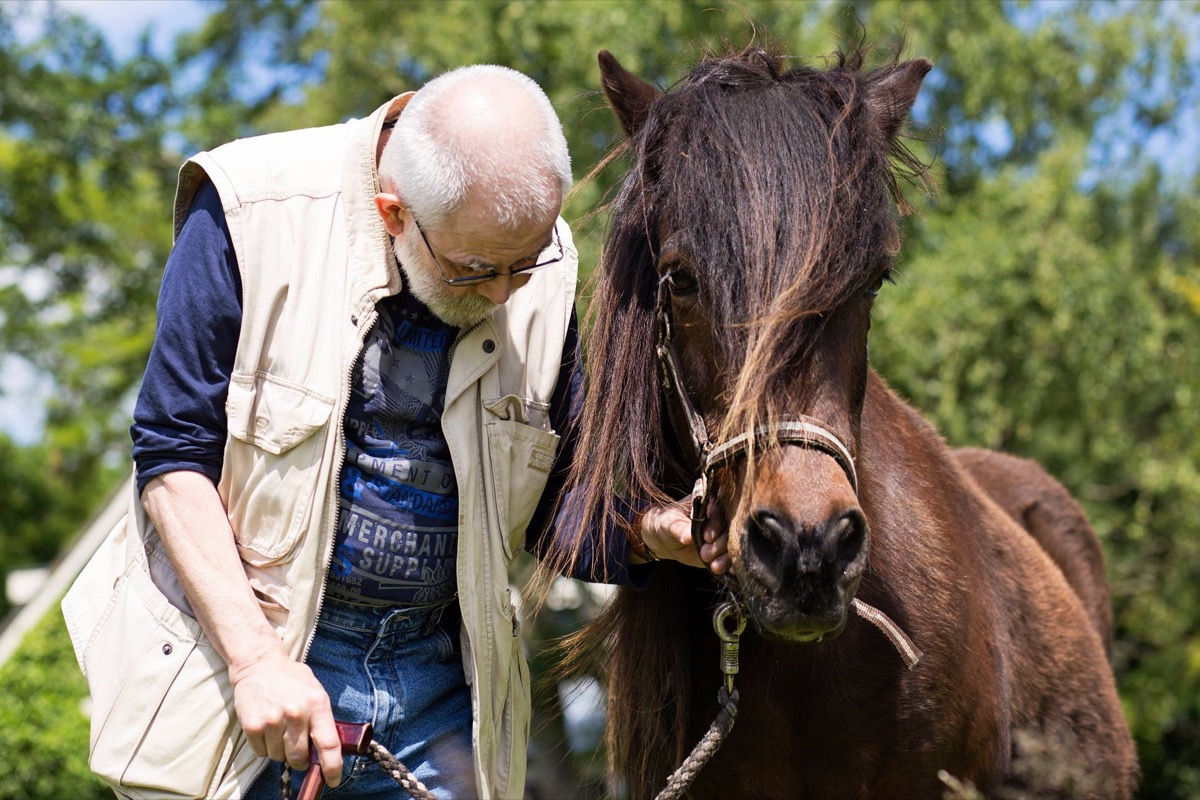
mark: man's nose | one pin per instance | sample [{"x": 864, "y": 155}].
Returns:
[{"x": 501, "y": 287}]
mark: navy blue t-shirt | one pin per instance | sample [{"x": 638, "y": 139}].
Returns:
[
  {"x": 180, "y": 423},
  {"x": 398, "y": 517}
]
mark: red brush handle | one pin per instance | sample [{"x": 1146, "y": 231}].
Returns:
[{"x": 356, "y": 740}]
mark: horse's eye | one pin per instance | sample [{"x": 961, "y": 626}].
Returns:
[
  {"x": 681, "y": 282},
  {"x": 885, "y": 276}
]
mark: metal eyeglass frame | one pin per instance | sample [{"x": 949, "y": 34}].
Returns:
[{"x": 470, "y": 280}]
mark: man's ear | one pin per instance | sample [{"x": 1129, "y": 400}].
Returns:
[
  {"x": 392, "y": 211},
  {"x": 629, "y": 95}
]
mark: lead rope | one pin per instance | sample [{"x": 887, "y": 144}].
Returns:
[
  {"x": 727, "y": 698},
  {"x": 400, "y": 774},
  {"x": 380, "y": 755}
]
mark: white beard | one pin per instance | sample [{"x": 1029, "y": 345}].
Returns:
[{"x": 430, "y": 289}]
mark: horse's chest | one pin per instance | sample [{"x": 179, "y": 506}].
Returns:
[{"x": 804, "y": 735}]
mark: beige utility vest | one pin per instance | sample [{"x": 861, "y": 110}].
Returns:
[{"x": 315, "y": 259}]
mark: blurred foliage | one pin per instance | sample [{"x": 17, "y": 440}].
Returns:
[
  {"x": 39, "y": 510},
  {"x": 1048, "y": 299},
  {"x": 43, "y": 730}
]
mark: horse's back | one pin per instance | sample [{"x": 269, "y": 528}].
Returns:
[{"x": 1047, "y": 511}]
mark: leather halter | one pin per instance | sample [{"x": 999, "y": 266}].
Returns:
[{"x": 801, "y": 430}]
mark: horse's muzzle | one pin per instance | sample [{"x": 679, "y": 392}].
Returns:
[{"x": 802, "y": 578}]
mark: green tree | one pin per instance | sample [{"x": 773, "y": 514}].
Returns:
[{"x": 85, "y": 187}]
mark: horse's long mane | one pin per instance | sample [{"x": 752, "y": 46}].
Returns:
[{"x": 782, "y": 184}]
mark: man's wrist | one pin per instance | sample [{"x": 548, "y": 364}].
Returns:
[{"x": 641, "y": 550}]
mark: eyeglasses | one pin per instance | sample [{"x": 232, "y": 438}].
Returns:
[{"x": 489, "y": 274}]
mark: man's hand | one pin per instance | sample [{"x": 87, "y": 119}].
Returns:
[
  {"x": 667, "y": 532},
  {"x": 279, "y": 702},
  {"x": 282, "y": 706}
]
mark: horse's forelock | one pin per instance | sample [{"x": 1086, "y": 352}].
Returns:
[
  {"x": 781, "y": 182},
  {"x": 782, "y": 185}
]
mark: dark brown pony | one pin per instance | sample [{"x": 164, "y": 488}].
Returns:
[{"x": 757, "y": 221}]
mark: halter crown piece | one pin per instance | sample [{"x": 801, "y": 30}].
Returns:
[{"x": 801, "y": 431}]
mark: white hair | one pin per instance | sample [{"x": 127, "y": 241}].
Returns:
[{"x": 468, "y": 131}]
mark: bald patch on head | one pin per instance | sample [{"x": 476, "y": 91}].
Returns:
[
  {"x": 482, "y": 137},
  {"x": 494, "y": 126}
]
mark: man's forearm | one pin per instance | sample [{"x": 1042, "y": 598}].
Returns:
[{"x": 188, "y": 513}]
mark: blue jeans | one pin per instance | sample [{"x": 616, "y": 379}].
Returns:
[{"x": 401, "y": 670}]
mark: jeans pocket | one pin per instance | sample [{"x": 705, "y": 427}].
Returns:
[{"x": 448, "y": 647}]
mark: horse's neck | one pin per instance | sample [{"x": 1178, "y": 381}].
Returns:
[
  {"x": 891, "y": 427},
  {"x": 927, "y": 520}
]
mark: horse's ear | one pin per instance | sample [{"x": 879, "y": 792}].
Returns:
[
  {"x": 629, "y": 95},
  {"x": 892, "y": 90}
]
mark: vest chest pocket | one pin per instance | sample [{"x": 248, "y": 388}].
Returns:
[
  {"x": 277, "y": 434},
  {"x": 521, "y": 458}
]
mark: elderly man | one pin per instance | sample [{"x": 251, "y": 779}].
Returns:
[{"x": 366, "y": 355}]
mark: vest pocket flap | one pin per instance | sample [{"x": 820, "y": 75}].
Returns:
[{"x": 274, "y": 414}]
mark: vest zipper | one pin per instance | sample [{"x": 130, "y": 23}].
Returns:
[
  {"x": 365, "y": 324},
  {"x": 466, "y": 630},
  {"x": 364, "y": 327}
]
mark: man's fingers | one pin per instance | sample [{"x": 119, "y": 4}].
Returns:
[
  {"x": 329, "y": 748},
  {"x": 667, "y": 530},
  {"x": 715, "y": 552},
  {"x": 258, "y": 744},
  {"x": 276, "y": 749},
  {"x": 717, "y": 560},
  {"x": 681, "y": 529},
  {"x": 295, "y": 745}
]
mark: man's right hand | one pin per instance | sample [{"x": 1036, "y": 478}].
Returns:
[
  {"x": 279, "y": 702},
  {"x": 281, "y": 706}
]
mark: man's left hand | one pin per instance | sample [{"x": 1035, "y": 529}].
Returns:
[{"x": 667, "y": 532}]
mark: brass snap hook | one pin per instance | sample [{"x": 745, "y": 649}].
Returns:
[{"x": 729, "y": 637}]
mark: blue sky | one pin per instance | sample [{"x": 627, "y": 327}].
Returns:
[{"x": 122, "y": 21}]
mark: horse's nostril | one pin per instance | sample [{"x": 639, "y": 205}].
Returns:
[
  {"x": 849, "y": 534},
  {"x": 767, "y": 535},
  {"x": 779, "y": 551}
]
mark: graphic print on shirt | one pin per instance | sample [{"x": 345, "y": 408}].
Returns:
[{"x": 397, "y": 531}]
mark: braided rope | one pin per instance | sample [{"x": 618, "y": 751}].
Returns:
[
  {"x": 400, "y": 774},
  {"x": 386, "y": 761},
  {"x": 704, "y": 750}
]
